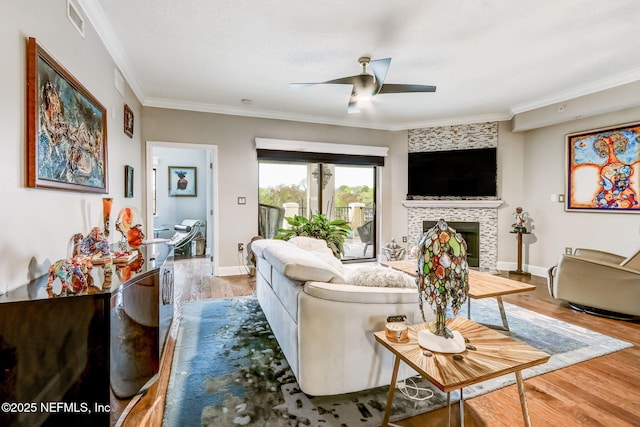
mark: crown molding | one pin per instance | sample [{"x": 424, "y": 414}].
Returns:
[
  {"x": 251, "y": 112},
  {"x": 100, "y": 23},
  {"x": 587, "y": 89}
]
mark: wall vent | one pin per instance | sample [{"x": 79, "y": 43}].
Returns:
[{"x": 75, "y": 17}]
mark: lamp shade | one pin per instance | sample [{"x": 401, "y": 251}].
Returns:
[
  {"x": 442, "y": 268},
  {"x": 443, "y": 278}
]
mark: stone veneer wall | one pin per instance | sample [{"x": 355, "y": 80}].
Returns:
[
  {"x": 476, "y": 135},
  {"x": 456, "y": 137},
  {"x": 487, "y": 217}
]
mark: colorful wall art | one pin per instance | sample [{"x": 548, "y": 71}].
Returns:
[
  {"x": 66, "y": 128},
  {"x": 604, "y": 170}
]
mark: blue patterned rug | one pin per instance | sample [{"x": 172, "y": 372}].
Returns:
[{"x": 229, "y": 371}]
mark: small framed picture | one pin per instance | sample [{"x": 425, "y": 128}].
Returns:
[
  {"x": 128, "y": 181},
  {"x": 182, "y": 181},
  {"x": 128, "y": 121}
]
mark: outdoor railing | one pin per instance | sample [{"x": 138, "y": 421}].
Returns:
[{"x": 342, "y": 212}]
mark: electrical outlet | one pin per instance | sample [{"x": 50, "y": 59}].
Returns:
[
  {"x": 404, "y": 239},
  {"x": 568, "y": 250},
  {"x": 240, "y": 247}
]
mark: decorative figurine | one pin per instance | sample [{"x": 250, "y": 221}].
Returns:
[
  {"x": 73, "y": 274},
  {"x": 135, "y": 236},
  {"x": 94, "y": 243},
  {"x": 520, "y": 220},
  {"x": 393, "y": 251}
]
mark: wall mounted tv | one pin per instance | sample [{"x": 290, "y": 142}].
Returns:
[{"x": 456, "y": 173}]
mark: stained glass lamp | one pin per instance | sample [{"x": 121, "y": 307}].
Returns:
[{"x": 442, "y": 277}]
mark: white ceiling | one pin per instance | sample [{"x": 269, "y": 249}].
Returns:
[{"x": 490, "y": 59}]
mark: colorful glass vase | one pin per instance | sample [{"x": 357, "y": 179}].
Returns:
[{"x": 107, "y": 203}]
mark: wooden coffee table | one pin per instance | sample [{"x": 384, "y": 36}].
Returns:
[
  {"x": 481, "y": 285},
  {"x": 495, "y": 355}
]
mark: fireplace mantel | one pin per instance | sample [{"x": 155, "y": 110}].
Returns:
[{"x": 478, "y": 204}]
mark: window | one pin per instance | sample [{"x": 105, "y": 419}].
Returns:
[{"x": 340, "y": 191}]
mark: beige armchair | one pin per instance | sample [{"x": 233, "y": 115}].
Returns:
[{"x": 592, "y": 279}]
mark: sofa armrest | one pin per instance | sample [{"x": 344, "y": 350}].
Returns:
[
  {"x": 551, "y": 274},
  {"x": 592, "y": 267},
  {"x": 595, "y": 254}
]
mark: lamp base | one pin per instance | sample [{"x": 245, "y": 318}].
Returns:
[{"x": 439, "y": 344}]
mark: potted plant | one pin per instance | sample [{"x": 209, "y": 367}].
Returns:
[{"x": 319, "y": 227}]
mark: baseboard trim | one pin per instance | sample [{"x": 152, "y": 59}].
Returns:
[
  {"x": 533, "y": 269},
  {"x": 234, "y": 270}
]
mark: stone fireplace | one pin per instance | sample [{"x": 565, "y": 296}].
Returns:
[
  {"x": 470, "y": 231},
  {"x": 482, "y": 212}
]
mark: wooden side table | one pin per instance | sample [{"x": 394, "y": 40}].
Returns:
[
  {"x": 519, "y": 270},
  {"x": 495, "y": 355}
]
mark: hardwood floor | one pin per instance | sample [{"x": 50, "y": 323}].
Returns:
[{"x": 600, "y": 392}]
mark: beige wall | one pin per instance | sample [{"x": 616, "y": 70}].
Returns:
[
  {"x": 510, "y": 189},
  {"x": 37, "y": 224},
  {"x": 544, "y": 174},
  {"x": 238, "y": 165}
]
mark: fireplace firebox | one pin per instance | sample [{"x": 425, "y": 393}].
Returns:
[{"x": 470, "y": 233}]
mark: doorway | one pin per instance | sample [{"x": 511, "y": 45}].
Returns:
[{"x": 166, "y": 208}]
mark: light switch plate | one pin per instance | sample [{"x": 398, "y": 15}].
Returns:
[{"x": 242, "y": 200}]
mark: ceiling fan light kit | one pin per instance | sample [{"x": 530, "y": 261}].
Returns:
[{"x": 365, "y": 85}]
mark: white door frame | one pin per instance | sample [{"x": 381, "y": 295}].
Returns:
[{"x": 211, "y": 192}]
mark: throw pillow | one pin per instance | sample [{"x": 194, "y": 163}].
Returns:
[
  {"x": 380, "y": 277},
  {"x": 319, "y": 248}
]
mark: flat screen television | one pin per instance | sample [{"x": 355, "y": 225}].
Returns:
[{"x": 455, "y": 173}]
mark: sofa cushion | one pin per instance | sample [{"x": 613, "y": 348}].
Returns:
[
  {"x": 378, "y": 276},
  {"x": 361, "y": 294},
  {"x": 296, "y": 263}
]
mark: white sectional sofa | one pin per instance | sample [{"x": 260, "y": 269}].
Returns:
[{"x": 324, "y": 324}]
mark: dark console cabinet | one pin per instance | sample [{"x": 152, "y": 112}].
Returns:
[{"x": 60, "y": 357}]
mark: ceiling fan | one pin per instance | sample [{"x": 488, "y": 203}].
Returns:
[{"x": 367, "y": 85}]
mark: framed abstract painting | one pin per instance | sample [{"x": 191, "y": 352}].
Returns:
[
  {"x": 66, "y": 128},
  {"x": 603, "y": 170},
  {"x": 182, "y": 181}
]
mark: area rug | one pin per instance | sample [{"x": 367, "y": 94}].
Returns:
[{"x": 228, "y": 369}]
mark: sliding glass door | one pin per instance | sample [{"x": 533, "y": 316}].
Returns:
[{"x": 340, "y": 191}]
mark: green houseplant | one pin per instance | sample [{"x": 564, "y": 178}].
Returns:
[{"x": 319, "y": 227}]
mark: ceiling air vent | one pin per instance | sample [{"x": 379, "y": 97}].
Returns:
[{"x": 75, "y": 17}]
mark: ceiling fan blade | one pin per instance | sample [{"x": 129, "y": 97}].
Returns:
[
  {"x": 399, "y": 88},
  {"x": 380, "y": 68},
  {"x": 343, "y": 81},
  {"x": 353, "y": 108},
  {"x": 353, "y": 103}
]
